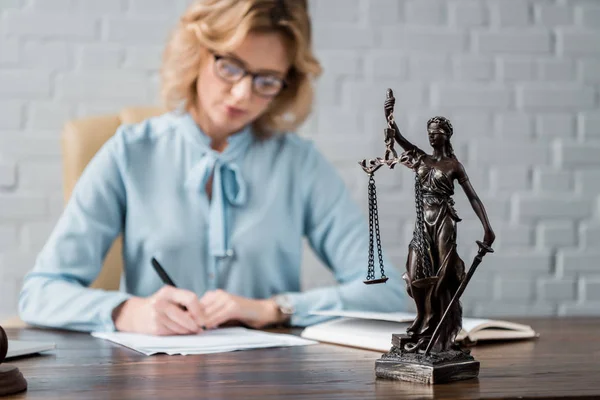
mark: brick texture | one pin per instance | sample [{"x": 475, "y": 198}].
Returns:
[{"x": 520, "y": 80}]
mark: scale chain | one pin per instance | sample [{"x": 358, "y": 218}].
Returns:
[
  {"x": 371, "y": 269},
  {"x": 377, "y": 234},
  {"x": 374, "y": 229}
]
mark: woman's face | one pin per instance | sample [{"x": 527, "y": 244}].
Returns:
[
  {"x": 437, "y": 136},
  {"x": 226, "y": 107}
]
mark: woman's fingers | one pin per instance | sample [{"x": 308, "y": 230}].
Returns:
[
  {"x": 213, "y": 299},
  {"x": 167, "y": 328},
  {"x": 177, "y": 311},
  {"x": 179, "y": 321},
  {"x": 220, "y": 307},
  {"x": 220, "y": 316},
  {"x": 213, "y": 307},
  {"x": 190, "y": 301}
]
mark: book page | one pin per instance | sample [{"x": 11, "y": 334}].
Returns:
[
  {"x": 381, "y": 316},
  {"x": 489, "y": 329},
  {"x": 468, "y": 324},
  {"x": 373, "y": 330},
  {"x": 356, "y": 332}
]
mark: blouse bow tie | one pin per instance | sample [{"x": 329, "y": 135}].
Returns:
[{"x": 228, "y": 185}]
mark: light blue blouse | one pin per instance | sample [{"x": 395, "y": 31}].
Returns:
[{"x": 148, "y": 182}]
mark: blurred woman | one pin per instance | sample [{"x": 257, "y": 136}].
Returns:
[{"x": 220, "y": 191}]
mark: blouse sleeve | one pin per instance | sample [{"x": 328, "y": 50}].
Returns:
[{"x": 55, "y": 293}]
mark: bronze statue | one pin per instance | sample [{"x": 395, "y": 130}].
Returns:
[{"x": 435, "y": 274}]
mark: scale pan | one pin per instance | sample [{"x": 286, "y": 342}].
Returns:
[{"x": 375, "y": 281}]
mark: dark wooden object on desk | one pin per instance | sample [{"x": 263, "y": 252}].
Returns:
[
  {"x": 562, "y": 363},
  {"x": 11, "y": 379},
  {"x": 435, "y": 276}
]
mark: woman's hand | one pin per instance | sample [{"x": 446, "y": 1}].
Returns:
[
  {"x": 221, "y": 307},
  {"x": 169, "y": 311}
]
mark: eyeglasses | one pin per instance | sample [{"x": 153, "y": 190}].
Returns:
[{"x": 263, "y": 84}]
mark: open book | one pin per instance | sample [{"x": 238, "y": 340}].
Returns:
[{"x": 373, "y": 331}]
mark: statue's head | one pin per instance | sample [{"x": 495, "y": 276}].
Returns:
[{"x": 439, "y": 130}]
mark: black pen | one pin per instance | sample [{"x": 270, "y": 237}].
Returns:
[
  {"x": 162, "y": 273},
  {"x": 167, "y": 280}
]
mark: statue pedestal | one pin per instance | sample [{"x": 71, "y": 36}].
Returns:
[{"x": 440, "y": 367}]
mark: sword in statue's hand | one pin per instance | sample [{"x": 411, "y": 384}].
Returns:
[{"x": 483, "y": 250}]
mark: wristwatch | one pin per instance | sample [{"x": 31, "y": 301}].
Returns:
[{"x": 286, "y": 308}]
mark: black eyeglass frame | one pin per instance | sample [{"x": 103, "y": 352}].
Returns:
[{"x": 245, "y": 72}]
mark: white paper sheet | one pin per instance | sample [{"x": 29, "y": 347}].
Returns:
[{"x": 213, "y": 341}]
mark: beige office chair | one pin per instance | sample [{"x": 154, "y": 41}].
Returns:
[{"x": 81, "y": 139}]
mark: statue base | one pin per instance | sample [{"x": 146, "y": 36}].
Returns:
[{"x": 436, "y": 367}]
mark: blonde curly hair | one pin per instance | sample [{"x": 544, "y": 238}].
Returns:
[{"x": 221, "y": 25}]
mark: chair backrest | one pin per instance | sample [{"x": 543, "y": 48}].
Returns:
[{"x": 81, "y": 139}]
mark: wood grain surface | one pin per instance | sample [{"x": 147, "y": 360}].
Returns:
[{"x": 563, "y": 363}]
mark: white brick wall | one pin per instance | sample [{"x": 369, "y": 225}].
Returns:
[{"x": 520, "y": 80}]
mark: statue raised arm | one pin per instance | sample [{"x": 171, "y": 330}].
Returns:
[{"x": 388, "y": 108}]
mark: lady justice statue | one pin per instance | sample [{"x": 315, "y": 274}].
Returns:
[{"x": 435, "y": 274}]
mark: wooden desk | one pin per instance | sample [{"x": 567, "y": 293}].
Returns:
[{"x": 563, "y": 362}]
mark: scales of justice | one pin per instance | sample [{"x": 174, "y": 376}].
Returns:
[{"x": 435, "y": 274}]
